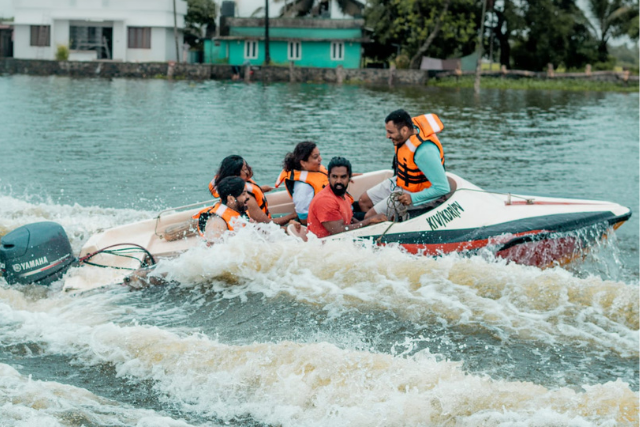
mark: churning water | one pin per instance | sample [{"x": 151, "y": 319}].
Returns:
[{"x": 265, "y": 330}]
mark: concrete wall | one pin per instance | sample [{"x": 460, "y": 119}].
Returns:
[
  {"x": 22, "y": 44},
  {"x": 59, "y": 34},
  {"x": 119, "y": 52},
  {"x": 224, "y": 72},
  {"x": 156, "y": 53},
  {"x": 207, "y": 71}
]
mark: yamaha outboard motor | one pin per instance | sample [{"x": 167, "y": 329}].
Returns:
[{"x": 35, "y": 253}]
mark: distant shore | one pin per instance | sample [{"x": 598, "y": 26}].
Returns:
[
  {"x": 271, "y": 74},
  {"x": 556, "y": 83}
]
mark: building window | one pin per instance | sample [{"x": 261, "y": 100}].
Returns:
[
  {"x": 294, "y": 52},
  {"x": 40, "y": 35},
  {"x": 337, "y": 51},
  {"x": 139, "y": 37},
  {"x": 251, "y": 49}
]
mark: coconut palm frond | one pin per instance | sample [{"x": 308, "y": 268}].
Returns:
[
  {"x": 297, "y": 8},
  {"x": 314, "y": 8},
  {"x": 351, "y": 7},
  {"x": 259, "y": 12}
]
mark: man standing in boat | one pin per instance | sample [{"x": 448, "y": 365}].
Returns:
[
  {"x": 418, "y": 165},
  {"x": 223, "y": 216},
  {"x": 330, "y": 211}
]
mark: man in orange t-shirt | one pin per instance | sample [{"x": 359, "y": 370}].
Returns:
[{"x": 330, "y": 211}]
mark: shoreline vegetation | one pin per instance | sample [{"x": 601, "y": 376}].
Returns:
[
  {"x": 518, "y": 80},
  {"x": 523, "y": 83}
]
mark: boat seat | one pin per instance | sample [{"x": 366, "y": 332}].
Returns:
[
  {"x": 434, "y": 203},
  {"x": 181, "y": 230}
]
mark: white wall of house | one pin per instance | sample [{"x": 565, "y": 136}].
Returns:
[
  {"x": 116, "y": 14},
  {"x": 22, "y": 48}
]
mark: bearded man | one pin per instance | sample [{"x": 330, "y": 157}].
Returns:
[
  {"x": 215, "y": 220},
  {"x": 330, "y": 211}
]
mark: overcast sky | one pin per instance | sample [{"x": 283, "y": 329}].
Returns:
[{"x": 6, "y": 8}]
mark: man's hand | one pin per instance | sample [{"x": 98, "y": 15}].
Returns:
[
  {"x": 378, "y": 218},
  {"x": 266, "y": 188},
  {"x": 405, "y": 199}
]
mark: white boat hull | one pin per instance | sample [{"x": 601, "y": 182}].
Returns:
[{"x": 527, "y": 229}]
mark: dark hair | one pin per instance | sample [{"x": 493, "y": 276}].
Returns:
[
  {"x": 230, "y": 166},
  {"x": 301, "y": 153},
  {"x": 338, "y": 162},
  {"x": 400, "y": 118},
  {"x": 230, "y": 186}
]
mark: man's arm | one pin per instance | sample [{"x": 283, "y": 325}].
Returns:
[
  {"x": 214, "y": 228},
  {"x": 427, "y": 158},
  {"x": 335, "y": 227}
]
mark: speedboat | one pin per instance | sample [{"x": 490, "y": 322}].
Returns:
[{"x": 530, "y": 230}]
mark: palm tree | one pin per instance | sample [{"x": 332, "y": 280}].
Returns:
[
  {"x": 611, "y": 16},
  {"x": 318, "y": 8}
]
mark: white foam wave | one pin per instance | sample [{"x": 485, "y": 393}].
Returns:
[
  {"x": 79, "y": 222},
  {"x": 291, "y": 384},
  {"x": 319, "y": 384},
  {"x": 510, "y": 300},
  {"x": 26, "y": 402}
]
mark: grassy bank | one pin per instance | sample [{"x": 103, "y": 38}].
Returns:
[{"x": 535, "y": 83}]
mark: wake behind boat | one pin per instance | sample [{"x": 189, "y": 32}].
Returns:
[{"x": 530, "y": 230}]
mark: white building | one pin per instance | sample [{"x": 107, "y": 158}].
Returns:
[{"x": 121, "y": 30}]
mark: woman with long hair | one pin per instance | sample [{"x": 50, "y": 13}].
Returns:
[
  {"x": 303, "y": 176},
  {"x": 257, "y": 206}
]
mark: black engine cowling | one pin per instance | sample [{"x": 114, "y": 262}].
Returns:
[{"x": 35, "y": 253}]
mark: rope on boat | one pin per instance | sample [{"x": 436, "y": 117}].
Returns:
[
  {"x": 122, "y": 252},
  {"x": 399, "y": 212}
]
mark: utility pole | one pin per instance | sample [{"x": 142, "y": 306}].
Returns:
[
  {"x": 267, "y": 58},
  {"x": 476, "y": 84},
  {"x": 175, "y": 30}
]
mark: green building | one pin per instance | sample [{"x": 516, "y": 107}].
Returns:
[{"x": 308, "y": 42}]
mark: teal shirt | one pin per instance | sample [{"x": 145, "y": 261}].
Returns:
[{"x": 427, "y": 158}]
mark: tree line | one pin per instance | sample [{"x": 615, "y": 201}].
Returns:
[{"x": 519, "y": 34}]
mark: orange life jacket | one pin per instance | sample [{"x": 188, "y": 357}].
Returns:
[
  {"x": 227, "y": 214},
  {"x": 252, "y": 188},
  {"x": 318, "y": 180},
  {"x": 408, "y": 174}
]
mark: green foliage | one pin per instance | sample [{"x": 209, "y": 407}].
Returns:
[
  {"x": 536, "y": 84},
  {"x": 626, "y": 20},
  {"x": 408, "y": 23},
  {"x": 62, "y": 53},
  {"x": 613, "y": 17},
  {"x": 527, "y": 34},
  {"x": 199, "y": 20},
  {"x": 609, "y": 64},
  {"x": 402, "y": 62},
  {"x": 625, "y": 57},
  {"x": 557, "y": 33}
]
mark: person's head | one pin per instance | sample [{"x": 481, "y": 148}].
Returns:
[
  {"x": 399, "y": 127},
  {"x": 233, "y": 193},
  {"x": 339, "y": 175},
  {"x": 305, "y": 157},
  {"x": 233, "y": 166}
]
